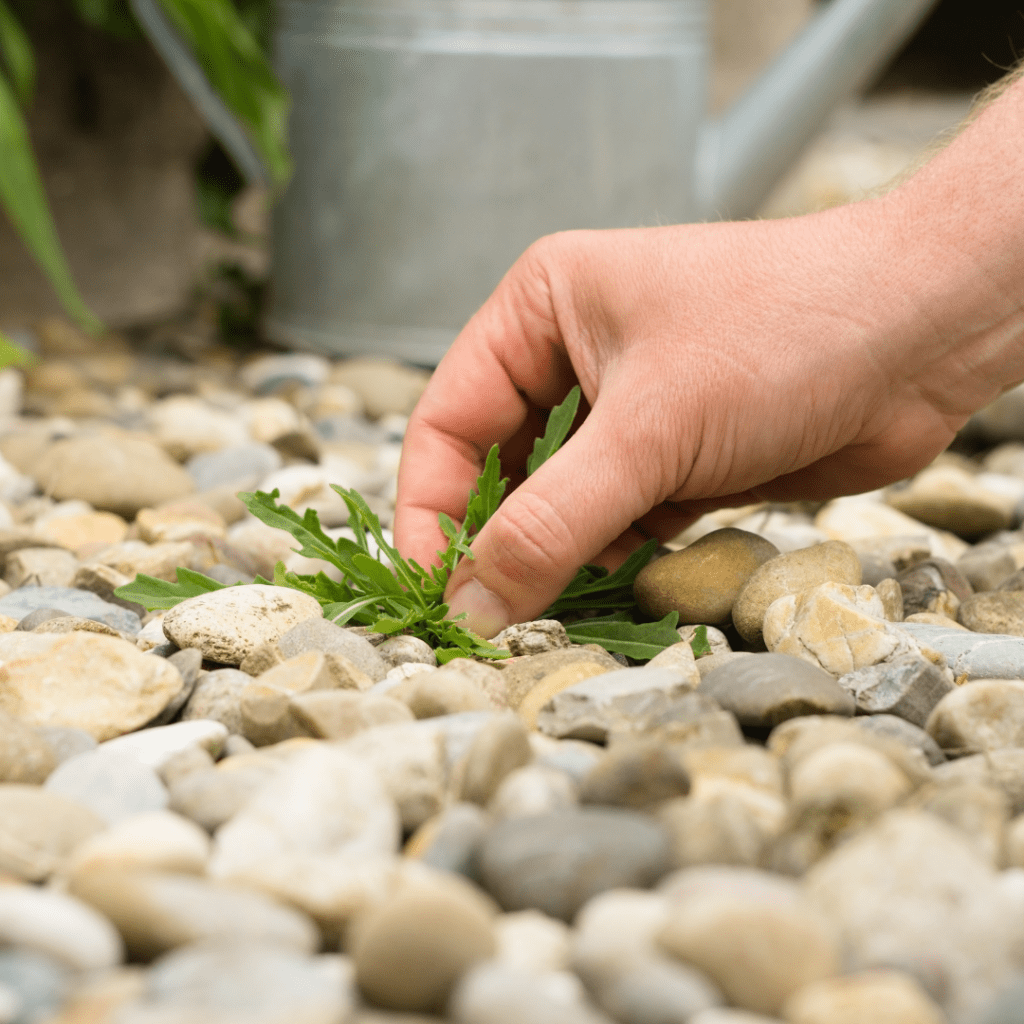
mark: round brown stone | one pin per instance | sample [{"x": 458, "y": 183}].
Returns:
[
  {"x": 702, "y": 581},
  {"x": 997, "y": 611}
]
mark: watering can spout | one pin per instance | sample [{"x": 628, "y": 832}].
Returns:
[{"x": 742, "y": 154}]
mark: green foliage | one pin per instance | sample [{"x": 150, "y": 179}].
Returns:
[
  {"x": 154, "y": 594},
  {"x": 559, "y": 423},
  {"x": 390, "y": 594},
  {"x": 699, "y": 643},
  {"x": 111, "y": 16},
  {"x": 238, "y": 69},
  {"x": 21, "y": 190},
  {"x": 13, "y": 355}
]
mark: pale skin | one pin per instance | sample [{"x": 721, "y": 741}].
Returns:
[{"x": 722, "y": 364}]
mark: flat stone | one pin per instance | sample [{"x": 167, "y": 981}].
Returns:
[
  {"x": 25, "y": 756},
  {"x": 765, "y": 689},
  {"x": 314, "y": 633},
  {"x": 325, "y": 802},
  {"x": 444, "y": 692},
  {"x": 112, "y": 785},
  {"x": 71, "y": 601},
  {"x": 702, "y": 581},
  {"x": 217, "y": 697},
  {"x": 929, "y": 914},
  {"x": 151, "y": 841},
  {"x": 185, "y": 425},
  {"x": 189, "y": 663},
  {"x": 227, "y": 624},
  {"x": 976, "y": 656},
  {"x": 983, "y": 715},
  {"x": 156, "y": 746},
  {"x": 891, "y": 596},
  {"x": 883, "y": 997},
  {"x": 989, "y": 566},
  {"x": 591, "y": 709},
  {"x": 212, "y": 797},
  {"x": 908, "y": 687},
  {"x": 999, "y": 611},
  {"x": 752, "y": 933},
  {"x": 385, "y": 386},
  {"x": 410, "y": 951},
  {"x": 521, "y": 676},
  {"x": 101, "y": 684},
  {"x": 59, "y": 926},
  {"x": 556, "y": 862},
  {"x": 680, "y": 658},
  {"x": 156, "y": 912},
  {"x": 554, "y": 683},
  {"x": 790, "y": 573},
  {"x": 656, "y": 988}
]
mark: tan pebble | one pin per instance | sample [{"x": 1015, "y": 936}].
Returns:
[{"x": 557, "y": 681}]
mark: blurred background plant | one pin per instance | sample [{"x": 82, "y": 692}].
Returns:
[{"x": 229, "y": 39}]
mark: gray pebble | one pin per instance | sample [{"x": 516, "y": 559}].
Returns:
[
  {"x": 976, "y": 655},
  {"x": 904, "y": 732},
  {"x": 908, "y": 687},
  {"x": 66, "y": 743},
  {"x": 39, "y": 982},
  {"x": 320, "y": 635},
  {"x": 556, "y": 862},
  {"x": 112, "y": 786},
  {"x": 766, "y": 689},
  {"x": 455, "y": 839},
  {"x": 189, "y": 663},
  {"x": 218, "y": 695},
  {"x": 83, "y": 603},
  {"x": 244, "y": 464},
  {"x": 39, "y": 616}
]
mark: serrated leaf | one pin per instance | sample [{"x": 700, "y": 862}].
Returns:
[
  {"x": 306, "y": 529},
  {"x": 387, "y": 625},
  {"x": 156, "y": 594},
  {"x": 699, "y": 642},
  {"x": 379, "y": 575},
  {"x": 559, "y": 423},
  {"x": 490, "y": 489},
  {"x": 589, "y": 590},
  {"x": 619, "y": 634}
]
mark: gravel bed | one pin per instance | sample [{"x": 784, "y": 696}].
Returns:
[{"x": 236, "y": 812}]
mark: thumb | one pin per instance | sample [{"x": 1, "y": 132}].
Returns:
[{"x": 570, "y": 510}]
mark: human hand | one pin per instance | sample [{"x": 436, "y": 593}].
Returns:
[{"x": 720, "y": 364}]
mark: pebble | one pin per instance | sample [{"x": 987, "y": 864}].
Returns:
[
  {"x": 562, "y": 678},
  {"x": 529, "y": 638},
  {"x": 150, "y": 841},
  {"x": 1000, "y": 611},
  {"x": 500, "y": 747},
  {"x": 58, "y": 926},
  {"x": 35, "y": 984},
  {"x": 159, "y": 911},
  {"x": 82, "y": 603},
  {"x": 590, "y": 710},
  {"x": 520, "y": 677},
  {"x": 846, "y": 779},
  {"x": 65, "y": 742},
  {"x": 242, "y": 466},
  {"x": 882, "y": 997},
  {"x": 325, "y": 802},
  {"x": 406, "y": 650},
  {"x": 314, "y": 633},
  {"x": 766, "y": 689},
  {"x": 904, "y": 732},
  {"x": 411, "y": 951},
  {"x": 791, "y": 573},
  {"x": 156, "y": 746},
  {"x": 114, "y": 785},
  {"x": 983, "y": 715},
  {"x": 112, "y": 471},
  {"x": 450, "y": 840},
  {"x": 837, "y": 627},
  {"x": 933, "y": 586},
  {"x": 384, "y": 386},
  {"x": 556, "y": 862},
  {"x": 908, "y": 687},
  {"x": 340, "y": 714},
  {"x": 444, "y": 692},
  {"x": 973, "y": 655},
  {"x": 255, "y": 981},
  {"x": 535, "y": 789},
  {"x": 702, "y": 581},
  {"x": 227, "y": 624},
  {"x": 948, "y": 498},
  {"x": 39, "y": 829},
  {"x": 531, "y": 941},
  {"x": 926, "y": 914},
  {"x": 752, "y": 933},
  {"x": 40, "y": 567},
  {"x": 25, "y": 755},
  {"x": 636, "y": 775}
]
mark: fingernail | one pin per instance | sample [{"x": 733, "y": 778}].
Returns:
[{"x": 486, "y": 613}]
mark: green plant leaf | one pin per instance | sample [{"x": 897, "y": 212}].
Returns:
[
  {"x": 113, "y": 16},
  {"x": 619, "y": 634},
  {"x": 16, "y": 55},
  {"x": 490, "y": 489},
  {"x": 594, "y": 588},
  {"x": 559, "y": 422},
  {"x": 239, "y": 71},
  {"x": 699, "y": 642},
  {"x": 12, "y": 354},
  {"x": 154, "y": 594},
  {"x": 23, "y": 199}
]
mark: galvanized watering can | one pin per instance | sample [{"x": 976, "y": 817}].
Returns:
[{"x": 434, "y": 140}]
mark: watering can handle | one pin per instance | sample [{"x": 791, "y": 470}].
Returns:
[
  {"x": 190, "y": 76},
  {"x": 741, "y": 155}
]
